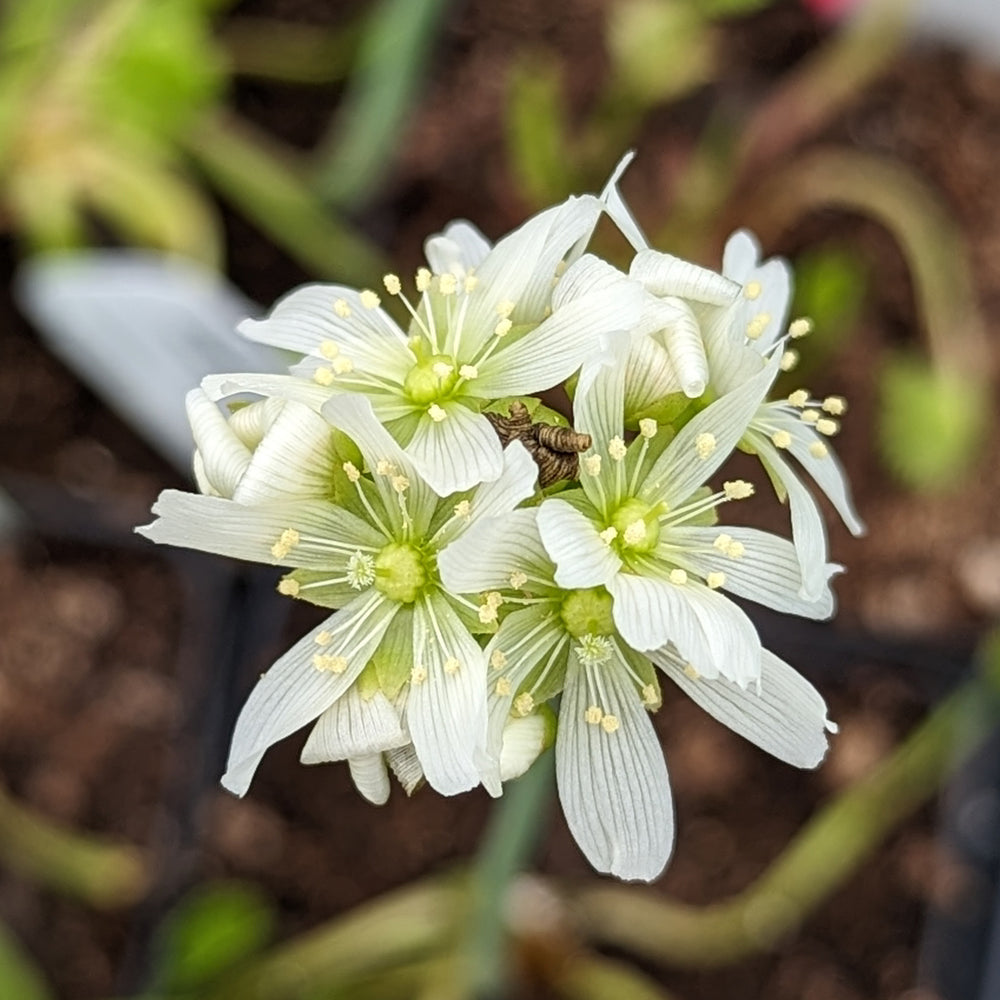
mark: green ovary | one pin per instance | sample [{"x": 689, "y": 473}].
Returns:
[
  {"x": 400, "y": 572},
  {"x": 424, "y": 385},
  {"x": 587, "y": 612},
  {"x": 638, "y": 526}
]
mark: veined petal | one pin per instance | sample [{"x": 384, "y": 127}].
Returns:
[
  {"x": 684, "y": 466},
  {"x": 591, "y": 304},
  {"x": 456, "y": 452},
  {"x": 707, "y": 629},
  {"x": 649, "y": 374},
  {"x": 613, "y": 784},
  {"x": 785, "y": 715},
  {"x": 446, "y": 709},
  {"x": 370, "y": 777},
  {"x": 762, "y": 312},
  {"x": 309, "y": 316},
  {"x": 599, "y": 402},
  {"x": 767, "y": 572},
  {"x": 808, "y": 529},
  {"x": 515, "y": 483},
  {"x": 405, "y": 765},
  {"x": 617, "y": 208},
  {"x": 489, "y": 551},
  {"x": 224, "y": 458},
  {"x": 582, "y": 557},
  {"x": 282, "y": 386},
  {"x": 664, "y": 274},
  {"x": 327, "y": 533},
  {"x": 461, "y": 248},
  {"x": 294, "y": 459},
  {"x": 682, "y": 338},
  {"x": 354, "y": 726},
  {"x": 294, "y": 691}
]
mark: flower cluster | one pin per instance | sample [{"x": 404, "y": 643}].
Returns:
[{"x": 501, "y": 578}]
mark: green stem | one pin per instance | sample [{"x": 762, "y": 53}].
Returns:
[
  {"x": 509, "y": 841},
  {"x": 826, "y": 852},
  {"x": 96, "y": 871},
  {"x": 20, "y": 977},
  {"x": 594, "y": 977},
  {"x": 264, "y": 182}
]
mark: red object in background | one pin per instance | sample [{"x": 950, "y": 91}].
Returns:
[{"x": 831, "y": 10}]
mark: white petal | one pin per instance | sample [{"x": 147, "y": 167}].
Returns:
[
  {"x": 786, "y": 716},
  {"x": 523, "y": 741},
  {"x": 458, "y": 250},
  {"x": 354, "y": 726},
  {"x": 224, "y": 458},
  {"x": 617, "y": 208},
  {"x": 708, "y": 630},
  {"x": 282, "y": 386},
  {"x": 682, "y": 337},
  {"x": 458, "y": 452},
  {"x": 613, "y": 786},
  {"x": 405, "y": 765},
  {"x": 649, "y": 375},
  {"x": 213, "y": 524},
  {"x": 582, "y": 557},
  {"x": 295, "y": 459},
  {"x": 446, "y": 712},
  {"x": 740, "y": 262},
  {"x": 598, "y": 407},
  {"x": 370, "y": 777},
  {"x": 293, "y": 692},
  {"x": 306, "y": 317},
  {"x": 490, "y": 550},
  {"x": 664, "y": 274},
  {"x": 515, "y": 483},
  {"x": 681, "y": 469},
  {"x": 592, "y": 303},
  {"x": 768, "y": 572}
]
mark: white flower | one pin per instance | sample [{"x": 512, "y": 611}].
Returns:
[
  {"x": 609, "y": 766},
  {"x": 488, "y": 323},
  {"x": 398, "y": 663}
]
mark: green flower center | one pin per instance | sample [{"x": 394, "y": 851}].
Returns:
[
  {"x": 431, "y": 379},
  {"x": 400, "y": 572},
  {"x": 637, "y": 525},
  {"x": 587, "y": 612}
]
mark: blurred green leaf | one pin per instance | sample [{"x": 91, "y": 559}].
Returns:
[
  {"x": 538, "y": 141},
  {"x": 395, "y": 46},
  {"x": 209, "y": 933},
  {"x": 659, "y": 48},
  {"x": 731, "y": 8},
  {"x": 932, "y": 423},
  {"x": 20, "y": 978}
]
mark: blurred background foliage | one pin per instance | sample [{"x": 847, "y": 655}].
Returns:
[{"x": 118, "y": 126}]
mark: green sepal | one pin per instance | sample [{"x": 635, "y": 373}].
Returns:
[
  {"x": 393, "y": 660},
  {"x": 537, "y": 410},
  {"x": 665, "y": 411},
  {"x": 367, "y": 682},
  {"x": 642, "y": 667},
  {"x": 333, "y": 595},
  {"x": 707, "y": 518}
]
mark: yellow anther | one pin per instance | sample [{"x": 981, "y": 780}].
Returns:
[
  {"x": 452, "y": 665},
  {"x": 498, "y": 659},
  {"x": 423, "y": 279},
  {"x": 503, "y": 328},
  {"x": 505, "y": 308},
  {"x": 400, "y": 483},
  {"x": 818, "y": 450},
  {"x": 592, "y": 465},
  {"x": 800, "y": 327},
  {"x": 487, "y": 614},
  {"x": 781, "y": 439},
  {"x": 827, "y": 427},
  {"x": 523, "y": 703},
  {"x": 678, "y": 577},
  {"x": 471, "y": 281},
  {"x": 788, "y": 360},
  {"x": 518, "y": 579},
  {"x": 503, "y": 687},
  {"x": 323, "y": 638},
  {"x": 610, "y": 723},
  {"x": 715, "y": 580},
  {"x": 323, "y": 376},
  {"x": 799, "y": 398},
  {"x": 436, "y": 413},
  {"x": 609, "y": 534},
  {"x": 342, "y": 365},
  {"x": 418, "y": 675},
  {"x": 735, "y": 550},
  {"x": 351, "y": 471},
  {"x": 369, "y": 299},
  {"x": 647, "y": 427},
  {"x": 463, "y": 509},
  {"x": 384, "y": 467},
  {"x": 593, "y": 715},
  {"x": 836, "y": 405},
  {"x": 809, "y": 416},
  {"x": 329, "y": 349},
  {"x": 738, "y": 489},
  {"x": 392, "y": 284},
  {"x": 448, "y": 283},
  {"x": 494, "y": 598},
  {"x": 288, "y": 587},
  {"x": 722, "y": 542},
  {"x": 442, "y": 369},
  {"x": 704, "y": 444},
  {"x": 650, "y": 696},
  {"x": 635, "y": 533},
  {"x": 617, "y": 449},
  {"x": 329, "y": 664},
  {"x": 689, "y": 671},
  {"x": 758, "y": 325},
  {"x": 469, "y": 371},
  {"x": 341, "y": 308},
  {"x": 286, "y": 542},
  {"x": 752, "y": 290}
]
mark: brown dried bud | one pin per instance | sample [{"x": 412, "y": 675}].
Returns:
[{"x": 554, "y": 449}]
